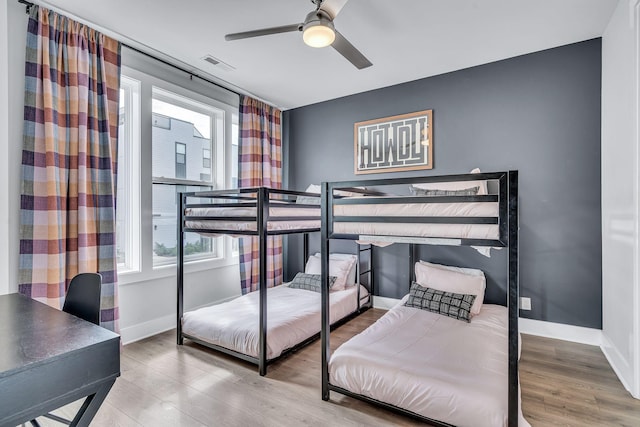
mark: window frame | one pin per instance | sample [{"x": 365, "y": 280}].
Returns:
[
  {"x": 222, "y": 179},
  {"x": 132, "y": 184}
]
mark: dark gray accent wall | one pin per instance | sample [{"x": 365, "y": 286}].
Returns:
[{"x": 538, "y": 113}]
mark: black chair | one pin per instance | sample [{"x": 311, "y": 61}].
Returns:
[
  {"x": 83, "y": 301},
  {"x": 83, "y": 297}
]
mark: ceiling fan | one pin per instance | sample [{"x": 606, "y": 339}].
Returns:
[{"x": 317, "y": 31}]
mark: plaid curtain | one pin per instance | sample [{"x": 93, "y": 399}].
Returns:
[
  {"x": 67, "y": 222},
  {"x": 260, "y": 164}
]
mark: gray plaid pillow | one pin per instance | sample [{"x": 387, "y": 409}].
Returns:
[
  {"x": 310, "y": 282},
  {"x": 449, "y": 304},
  {"x": 416, "y": 191}
]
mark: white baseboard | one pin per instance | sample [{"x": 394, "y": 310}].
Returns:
[
  {"x": 156, "y": 326},
  {"x": 384, "y": 302},
  {"x": 560, "y": 331},
  {"x": 146, "y": 329},
  {"x": 618, "y": 363}
]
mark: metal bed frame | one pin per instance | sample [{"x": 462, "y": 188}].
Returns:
[
  {"x": 260, "y": 198},
  {"x": 507, "y": 221}
]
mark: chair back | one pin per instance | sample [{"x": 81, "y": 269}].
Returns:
[{"x": 83, "y": 297}]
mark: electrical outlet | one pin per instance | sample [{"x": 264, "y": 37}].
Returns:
[{"x": 525, "y": 303}]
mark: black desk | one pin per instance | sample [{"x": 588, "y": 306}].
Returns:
[{"x": 49, "y": 358}]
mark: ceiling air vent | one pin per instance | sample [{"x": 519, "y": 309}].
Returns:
[{"x": 219, "y": 64}]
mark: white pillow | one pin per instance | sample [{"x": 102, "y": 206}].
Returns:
[
  {"x": 341, "y": 268},
  {"x": 310, "y": 200},
  {"x": 351, "y": 280},
  {"x": 457, "y": 185},
  {"x": 464, "y": 270},
  {"x": 453, "y": 279},
  {"x": 313, "y": 188}
]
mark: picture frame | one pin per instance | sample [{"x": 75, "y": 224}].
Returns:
[{"x": 394, "y": 144}]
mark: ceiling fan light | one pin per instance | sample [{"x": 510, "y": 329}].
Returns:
[{"x": 318, "y": 35}]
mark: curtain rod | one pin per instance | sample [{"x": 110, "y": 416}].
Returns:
[{"x": 29, "y": 5}]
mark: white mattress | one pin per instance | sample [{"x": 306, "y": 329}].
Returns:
[
  {"x": 395, "y": 210},
  {"x": 387, "y": 228},
  {"x": 251, "y": 225},
  {"x": 433, "y": 365},
  {"x": 293, "y": 315}
]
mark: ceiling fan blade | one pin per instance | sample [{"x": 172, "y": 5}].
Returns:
[
  {"x": 263, "y": 32},
  {"x": 332, "y": 7},
  {"x": 347, "y": 50}
]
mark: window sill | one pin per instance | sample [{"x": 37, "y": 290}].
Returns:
[{"x": 170, "y": 270}]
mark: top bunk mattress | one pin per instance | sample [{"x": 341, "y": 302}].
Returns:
[
  {"x": 393, "y": 225},
  {"x": 236, "y": 223},
  {"x": 432, "y": 365}
]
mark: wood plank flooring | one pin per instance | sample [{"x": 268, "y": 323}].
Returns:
[{"x": 563, "y": 384}]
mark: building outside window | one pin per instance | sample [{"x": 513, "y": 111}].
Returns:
[{"x": 193, "y": 124}]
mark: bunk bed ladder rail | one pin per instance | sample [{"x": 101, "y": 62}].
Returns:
[
  {"x": 513, "y": 299},
  {"x": 508, "y": 232},
  {"x": 263, "y": 218},
  {"x": 326, "y": 221},
  {"x": 368, "y": 272},
  {"x": 182, "y": 200}
]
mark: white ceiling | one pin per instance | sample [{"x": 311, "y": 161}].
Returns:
[{"x": 405, "y": 39}]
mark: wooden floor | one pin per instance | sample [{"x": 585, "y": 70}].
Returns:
[{"x": 563, "y": 384}]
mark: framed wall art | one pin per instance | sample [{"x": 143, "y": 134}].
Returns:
[{"x": 394, "y": 144}]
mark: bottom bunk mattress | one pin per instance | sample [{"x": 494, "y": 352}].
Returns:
[
  {"x": 432, "y": 365},
  {"x": 293, "y": 315}
]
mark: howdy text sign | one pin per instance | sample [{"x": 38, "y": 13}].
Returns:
[{"x": 397, "y": 143}]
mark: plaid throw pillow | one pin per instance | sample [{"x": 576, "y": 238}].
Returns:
[
  {"x": 426, "y": 192},
  {"x": 449, "y": 304},
  {"x": 310, "y": 282}
]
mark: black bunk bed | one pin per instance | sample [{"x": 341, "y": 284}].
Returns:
[
  {"x": 255, "y": 211},
  {"x": 506, "y": 222}
]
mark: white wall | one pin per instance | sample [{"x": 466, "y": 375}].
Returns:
[
  {"x": 620, "y": 287},
  {"x": 4, "y": 148},
  {"x": 16, "y": 29},
  {"x": 146, "y": 306}
]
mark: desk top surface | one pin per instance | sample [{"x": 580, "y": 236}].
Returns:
[{"x": 33, "y": 333}]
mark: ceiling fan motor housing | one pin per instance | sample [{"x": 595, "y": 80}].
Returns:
[{"x": 318, "y": 29}]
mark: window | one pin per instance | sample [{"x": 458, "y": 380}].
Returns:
[
  {"x": 172, "y": 138},
  {"x": 194, "y": 125},
  {"x": 128, "y": 182},
  {"x": 206, "y": 158},
  {"x": 181, "y": 160},
  {"x": 234, "y": 171}
]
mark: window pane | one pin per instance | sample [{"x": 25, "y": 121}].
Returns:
[
  {"x": 122, "y": 203},
  {"x": 234, "y": 170},
  {"x": 172, "y": 123},
  {"x": 127, "y": 191},
  {"x": 165, "y": 208},
  {"x": 234, "y": 152}
]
